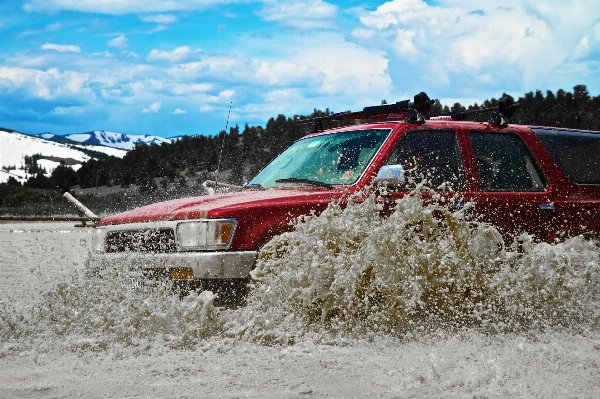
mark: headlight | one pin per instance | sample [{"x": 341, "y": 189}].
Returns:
[
  {"x": 98, "y": 239},
  {"x": 205, "y": 234}
]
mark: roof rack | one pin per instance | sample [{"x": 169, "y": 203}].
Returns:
[
  {"x": 506, "y": 109},
  {"x": 411, "y": 111},
  {"x": 415, "y": 112}
]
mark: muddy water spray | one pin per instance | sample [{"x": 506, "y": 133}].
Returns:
[
  {"x": 347, "y": 273},
  {"x": 351, "y": 272}
]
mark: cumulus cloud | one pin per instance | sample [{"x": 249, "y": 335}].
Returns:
[
  {"x": 233, "y": 69},
  {"x": 299, "y": 14},
  {"x": 179, "y": 111},
  {"x": 152, "y": 108},
  {"x": 346, "y": 69},
  {"x": 51, "y": 84},
  {"x": 177, "y": 55},
  {"x": 119, "y": 41},
  {"x": 490, "y": 42},
  {"x": 63, "y": 48}
]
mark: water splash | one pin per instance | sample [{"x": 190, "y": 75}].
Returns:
[
  {"x": 346, "y": 274},
  {"x": 352, "y": 273},
  {"x": 108, "y": 308}
]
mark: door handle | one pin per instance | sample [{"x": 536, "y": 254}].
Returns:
[
  {"x": 456, "y": 206},
  {"x": 547, "y": 207}
]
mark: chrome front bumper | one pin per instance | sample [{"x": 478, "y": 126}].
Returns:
[{"x": 205, "y": 265}]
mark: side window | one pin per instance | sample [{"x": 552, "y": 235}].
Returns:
[
  {"x": 430, "y": 156},
  {"x": 577, "y": 153},
  {"x": 504, "y": 163}
]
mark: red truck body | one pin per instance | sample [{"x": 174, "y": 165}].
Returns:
[
  {"x": 548, "y": 205},
  {"x": 263, "y": 214}
]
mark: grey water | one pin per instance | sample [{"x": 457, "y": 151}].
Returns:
[{"x": 63, "y": 335}]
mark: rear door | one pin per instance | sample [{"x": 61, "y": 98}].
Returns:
[
  {"x": 510, "y": 189},
  {"x": 575, "y": 163}
]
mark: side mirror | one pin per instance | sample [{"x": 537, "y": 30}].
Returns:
[{"x": 390, "y": 176}]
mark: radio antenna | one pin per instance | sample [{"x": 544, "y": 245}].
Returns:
[{"x": 222, "y": 145}]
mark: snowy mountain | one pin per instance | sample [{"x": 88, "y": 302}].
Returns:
[
  {"x": 102, "y": 137},
  {"x": 14, "y": 146}
]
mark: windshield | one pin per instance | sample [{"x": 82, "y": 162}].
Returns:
[{"x": 336, "y": 159}]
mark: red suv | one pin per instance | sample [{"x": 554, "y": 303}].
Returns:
[{"x": 540, "y": 180}]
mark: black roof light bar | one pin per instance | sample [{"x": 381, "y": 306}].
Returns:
[{"x": 416, "y": 112}]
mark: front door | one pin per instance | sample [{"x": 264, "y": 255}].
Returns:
[{"x": 431, "y": 158}]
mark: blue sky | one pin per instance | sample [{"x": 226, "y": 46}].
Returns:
[{"x": 169, "y": 68}]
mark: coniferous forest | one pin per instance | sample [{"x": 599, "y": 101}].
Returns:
[{"x": 151, "y": 169}]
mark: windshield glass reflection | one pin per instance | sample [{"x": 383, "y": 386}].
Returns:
[{"x": 336, "y": 159}]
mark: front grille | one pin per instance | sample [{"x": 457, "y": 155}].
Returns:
[{"x": 153, "y": 240}]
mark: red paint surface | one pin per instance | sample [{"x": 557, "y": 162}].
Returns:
[{"x": 264, "y": 214}]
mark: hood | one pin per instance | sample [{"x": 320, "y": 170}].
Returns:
[{"x": 214, "y": 205}]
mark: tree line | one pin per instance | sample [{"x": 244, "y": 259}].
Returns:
[{"x": 246, "y": 151}]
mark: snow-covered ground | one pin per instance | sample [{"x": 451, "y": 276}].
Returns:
[
  {"x": 15, "y": 146},
  {"x": 349, "y": 305}
]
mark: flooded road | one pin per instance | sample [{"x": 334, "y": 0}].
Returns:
[{"x": 63, "y": 335}]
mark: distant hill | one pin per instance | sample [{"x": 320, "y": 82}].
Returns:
[
  {"x": 16, "y": 147},
  {"x": 102, "y": 137}
]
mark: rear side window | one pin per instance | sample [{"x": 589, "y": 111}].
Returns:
[
  {"x": 430, "y": 156},
  {"x": 504, "y": 163},
  {"x": 577, "y": 153}
]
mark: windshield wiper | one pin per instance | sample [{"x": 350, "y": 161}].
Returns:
[
  {"x": 254, "y": 186},
  {"x": 304, "y": 181}
]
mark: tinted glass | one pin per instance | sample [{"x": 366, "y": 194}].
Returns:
[
  {"x": 338, "y": 158},
  {"x": 504, "y": 163},
  {"x": 577, "y": 153},
  {"x": 430, "y": 156}
]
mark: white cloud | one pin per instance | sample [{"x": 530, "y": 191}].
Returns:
[
  {"x": 211, "y": 103},
  {"x": 119, "y": 41},
  {"x": 129, "y": 54},
  {"x": 177, "y": 55},
  {"x": 179, "y": 111},
  {"x": 163, "y": 19},
  {"x": 48, "y": 28},
  {"x": 152, "y": 108},
  {"x": 589, "y": 45},
  {"x": 63, "y": 48},
  {"x": 247, "y": 71},
  {"x": 118, "y": 7},
  {"x": 300, "y": 14},
  {"x": 345, "y": 68},
  {"x": 520, "y": 45},
  {"x": 47, "y": 85},
  {"x": 103, "y": 54},
  {"x": 186, "y": 89},
  {"x": 68, "y": 111}
]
